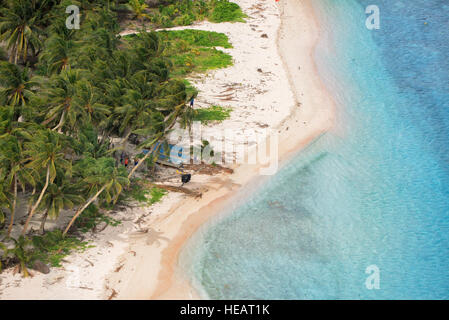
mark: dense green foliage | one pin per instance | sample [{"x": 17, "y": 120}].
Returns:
[
  {"x": 190, "y": 51},
  {"x": 66, "y": 94},
  {"x": 141, "y": 194},
  {"x": 185, "y": 12},
  {"x": 211, "y": 114}
]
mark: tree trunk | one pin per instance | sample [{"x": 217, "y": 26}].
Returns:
[
  {"x": 60, "y": 124},
  {"x": 16, "y": 55},
  {"x": 49, "y": 120},
  {"x": 33, "y": 209},
  {"x": 82, "y": 209},
  {"x": 13, "y": 209},
  {"x": 44, "y": 219},
  {"x": 141, "y": 161},
  {"x": 125, "y": 139}
]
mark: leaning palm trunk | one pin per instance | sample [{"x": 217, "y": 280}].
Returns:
[
  {"x": 44, "y": 219},
  {"x": 13, "y": 208},
  {"x": 124, "y": 141},
  {"x": 33, "y": 209},
  {"x": 92, "y": 199},
  {"x": 141, "y": 161},
  {"x": 60, "y": 124},
  {"x": 16, "y": 54}
]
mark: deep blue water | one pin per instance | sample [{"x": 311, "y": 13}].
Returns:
[{"x": 372, "y": 191}]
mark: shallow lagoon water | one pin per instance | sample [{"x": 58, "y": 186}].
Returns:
[{"x": 372, "y": 191}]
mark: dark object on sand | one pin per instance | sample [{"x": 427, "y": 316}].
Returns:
[
  {"x": 264, "y": 35},
  {"x": 41, "y": 267},
  {"x": 186, "y": 178}
]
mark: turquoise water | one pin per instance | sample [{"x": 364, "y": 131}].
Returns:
[{"x": 373, "y": 191}]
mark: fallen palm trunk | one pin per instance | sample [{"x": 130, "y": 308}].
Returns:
[
  {"x": 189, "y": 192},
  {"x": 184, "y": 190},
  {"x": 208, "y": 169}
]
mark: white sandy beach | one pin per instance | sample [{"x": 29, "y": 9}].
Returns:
[{"x": 272, "y": 84}]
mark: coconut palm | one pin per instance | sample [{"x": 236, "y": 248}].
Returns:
[
  {"x": 138, "y": 7},
  {"x": 23, "y": 252},
  {"x": 101, "y": 177},
  {"x": 61, "y": 196},
  {"x": 5, "y": 203},
  {"x": 134, "y": 114},
  {"x": 16, "y": 85},
  {"x": 12, "y": 136},
  {"x": 19, "y": 27},
  {"x": 11, "y": 158},
  {"x": 60, "y": 96},
  {"x": 87, "y": 106},
  {"x": 60, "y": 48},
  {"x": 59, "y": 53},
  {"x": 88, "y": 143},
  {"x": 45, "y": 153}
]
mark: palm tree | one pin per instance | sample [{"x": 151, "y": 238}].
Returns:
[
  {"x": 19, "y": 27},
  {"x": 22, "y": 252},
  {"x": 11, "y": 158},
  {"x": 60, "y": 96},
  {"x": 45, "y": 152},
  {"x": 138, "y": 7},
  {"x": 134, "y": 114},
  {"x": 100, "y": 176},
  {"x": 87, "y": 106},
  {"x": 58, "y": 197},
  {"x": 16, "y": 86},
  {"x": 58, "y": 53},
  {"x": 88, "y": 143},
  {"x": 5, "y": 203}
]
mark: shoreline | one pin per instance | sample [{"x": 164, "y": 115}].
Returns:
[{"x": 316, "y": 113}]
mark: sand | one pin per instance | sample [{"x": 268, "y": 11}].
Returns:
[{"x": 273, "y": 84}]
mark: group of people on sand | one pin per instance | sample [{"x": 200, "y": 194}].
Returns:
[{"x": 124, "y": 160}]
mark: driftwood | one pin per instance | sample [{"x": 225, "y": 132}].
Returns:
[
  {"x": 208, "y": 169},
  {"x": 113, "y": 295},
  {"x": 188, "y": 192},
  {"x": 167, "y": 164}
]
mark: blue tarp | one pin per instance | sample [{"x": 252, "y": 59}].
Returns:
[{"x": 178, "y": 155}]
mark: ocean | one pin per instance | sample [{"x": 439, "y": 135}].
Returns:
[{"x": 371, "y": 195}]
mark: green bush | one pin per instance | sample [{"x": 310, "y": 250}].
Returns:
[
  {"x": 227, "y": 11},
  {"x": 213, "y": 113},
  {"x": 52, "y": 247},
  {"x": 91, "y": 217}
]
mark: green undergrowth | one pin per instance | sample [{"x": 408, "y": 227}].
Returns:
[
  {"x": 191, "y": 51},
  {"x": 142, "y": 194},
  {"x": 52, "y": 247},
  {"x": 194, "y": 51},
  {"x": 212, "y": 114},
  {"x": 91, "y": 217},
  {"x": 186, "y": 12},
  {"x": 191, "y": 90},
  {"x": 227, "y": 11},
  {"x": 198, "y": 38}
]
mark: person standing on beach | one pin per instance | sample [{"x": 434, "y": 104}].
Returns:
[
  {"x": 192, "y": 100},
  {"x": 126, "y": 162}
]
